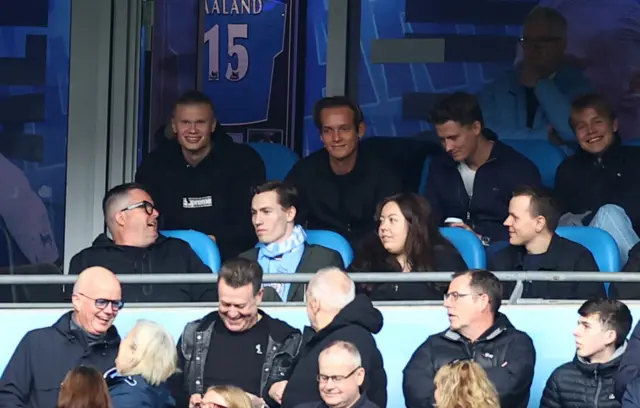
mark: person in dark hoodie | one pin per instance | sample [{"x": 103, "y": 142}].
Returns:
[
  {"x": 477, "y": 331},
  {"x": 85, "y": 336},
  {"x": 587, "y": 381},
  {"x": 472, "y": 183},
  {"x": 204, "y": 181},
  {"x": 132, "y": 220},
  {"x": 599, "y": 185},
  {"x": 336, "y": 313},
  {"x": 146, "y": 358},
  {"x": 238, "y": 345}
]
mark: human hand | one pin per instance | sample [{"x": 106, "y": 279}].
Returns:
[
  {"x": 277, "y": 390},
  {"x": 256, "y": 401},
  {"x": 529, "y": 75},
  {"x": 195, "y": 400},
  {"x": 464, "y": 226},
  {"x": 213, "y": 238}
]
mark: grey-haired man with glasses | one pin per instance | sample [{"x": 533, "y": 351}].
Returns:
[
  {"x": 84, "y": 336},
  {"x": 478, "y": 332},
  {"x": 137, "y": 248}
]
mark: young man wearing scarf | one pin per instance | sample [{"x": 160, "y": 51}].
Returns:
[{"x": 283, "y": 246}]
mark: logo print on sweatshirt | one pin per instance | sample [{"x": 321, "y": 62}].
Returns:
[
  {"x": 197, "y": 202},
  {"x": 258, "y": 349}
]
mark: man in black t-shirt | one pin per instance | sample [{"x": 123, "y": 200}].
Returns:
[
  {"x": 534, "y": 246},
  {"x": 237, "y": 344}
]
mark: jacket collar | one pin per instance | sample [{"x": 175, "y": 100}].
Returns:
[
  {"x": 601, "y": 369},
  {"x": 498, "y": 151},
  {"x": 612, "y": 153},
  {"x": 500, "y": 325},
  {"x": 549, "y": 258},
  {"x": 63, "y": 326}
]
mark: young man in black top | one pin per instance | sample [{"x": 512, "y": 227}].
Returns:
[
  {"x": 339, "y": 186},
  {"x": 237, "y": 344},
  {"x": 204, "y": 181},
  {"x": 534, "y": 246}
]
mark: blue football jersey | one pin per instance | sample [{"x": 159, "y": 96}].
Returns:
[{"x": 242, "y": 38}]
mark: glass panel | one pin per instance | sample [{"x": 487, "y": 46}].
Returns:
[{"x": 34, "y": 84}]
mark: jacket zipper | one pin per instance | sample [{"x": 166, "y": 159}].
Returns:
[
  {"x": 469, "y": 222},
  {"x": 598, "y": 388}
]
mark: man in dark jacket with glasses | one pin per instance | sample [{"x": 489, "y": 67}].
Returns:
[
  {"x": 85, "y": 336},
  {"x": 137, "y": 248}
]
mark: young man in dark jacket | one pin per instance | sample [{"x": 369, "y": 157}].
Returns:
[
  {"x": 599, "y": 185},
  {"x": 587, "y": 381},
  {"x": 477, "y": 332},
  {"x": 136, "y": 247},
  {"x": 204, "y": 181},
  {"x": 472, "y": 183},
  {"x": 340, "y": 185},
  {"x": 336, "y": 313},
  {"x": 237, "y": 345},
  {"x": 534, "y": 246},
  {"x": 84, "y": 336}
]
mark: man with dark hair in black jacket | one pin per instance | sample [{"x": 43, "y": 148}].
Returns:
[
  {"x": 136, "y": 247},
  {"x": 204, "y": 181},
  {"x": 477, "y": 332},
  {"x": 587, "y": 381},
  {"x": 238, "y": 344},
  {"x": 336, "y": 313},
  {"x": 85, "y": 336},
  {"x": 471, "y": 184}
]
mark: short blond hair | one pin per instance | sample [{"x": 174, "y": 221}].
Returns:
[
  {"x": 235, "y": 397},
  {"x": 465, "y": 384},
  {"x": 154, "y": 352}
]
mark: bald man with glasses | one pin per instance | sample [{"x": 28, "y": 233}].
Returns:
[
  {"x": 84, "y": 336},
  {"x": 137, "y": 248}
]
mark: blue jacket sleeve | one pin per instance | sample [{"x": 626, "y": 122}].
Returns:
[
  {"x": 418, "y": 376},
  {"x": 127, "y": 396},
  {"x": 628, "y": 369},
  {"x": 631, "y": 397},
  {"x": 16, "y": 381}
]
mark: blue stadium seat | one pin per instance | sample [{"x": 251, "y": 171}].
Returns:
[
  {"x": 201, "y": 244},
  {"x": 278, "y": 159},
  {"x": 543, "y": 154},
  {"x": 422, "y": 188},
  {"x": 332, "y": 240},
  {"x": 469, "y": 246}
]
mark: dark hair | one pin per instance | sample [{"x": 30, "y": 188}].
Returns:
[
  {"x": 84, "y": 387},
  {"x": 485, "y": 282},
  {"x": 460, "y": 107},
  {"x": 337, "y": 102},
  {"x": 613, "y": 315},
  {"x": 195, "y": 97},
  {"x": 423, "y": 236},
  {"x": 241, "y": 272},
  {"x": 287, "y": 194},
  {"x": 118, "y": 192},
  {"x": 541, "y": 204},
  {"x": 594, "y": 101}
]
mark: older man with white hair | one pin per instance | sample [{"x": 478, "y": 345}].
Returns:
[{"x": 336, "y": 313}]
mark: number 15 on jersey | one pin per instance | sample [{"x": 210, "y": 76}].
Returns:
[{"x": 238, "y": 65}]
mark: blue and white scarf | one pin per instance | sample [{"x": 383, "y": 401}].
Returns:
[{"x": 282, "y": 257}]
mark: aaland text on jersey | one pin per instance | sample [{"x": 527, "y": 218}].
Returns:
[{"x": 226, "y": 7}]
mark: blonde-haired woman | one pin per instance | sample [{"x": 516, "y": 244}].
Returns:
[
  {"x": 464, "y": 384},
  {"x": 146, "y": 358},
  {"x": 225, "y": 396}
]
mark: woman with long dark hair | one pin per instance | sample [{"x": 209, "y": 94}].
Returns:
[
  {"x": 84, "y": 387},
  {"x": 407, "y": 240}
]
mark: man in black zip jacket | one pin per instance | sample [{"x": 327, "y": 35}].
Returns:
[
  {"x": 85, "y": 336},
  {"x": 204, "y": 181},
  {"x": 587, "y": 381},
  {"x": 474, "y": 180},
  {"x": 137, "y": 248},
  {"x": 477, "y": 332},
  {"x": 237, "y": 345},
  {"x": 337, "y": 314}
]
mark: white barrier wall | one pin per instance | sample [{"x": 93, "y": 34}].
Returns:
[{"x": 405, "y": 328}]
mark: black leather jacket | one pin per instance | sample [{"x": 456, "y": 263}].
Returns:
[{"x": 193, "y": 347}]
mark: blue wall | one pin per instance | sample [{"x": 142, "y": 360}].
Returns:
[{"x": 405, "y": 328}]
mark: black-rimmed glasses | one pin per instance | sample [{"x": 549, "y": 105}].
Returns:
[
  {"x": 456, "y": 295},
  {"x": 530, "y": 43},
  {"x": 102, "y": 303},
  {"x": 147, "y": 206},
  {"x": 335, "y": 378}
]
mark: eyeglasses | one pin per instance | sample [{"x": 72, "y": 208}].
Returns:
[
  {"x": 539, "y": 42},
  {"x": 335, "y": 378},
  {"x": 456, "y": 295},
  {"x": 148, "y": 207},
  {"x": 102, "y": 303}
]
